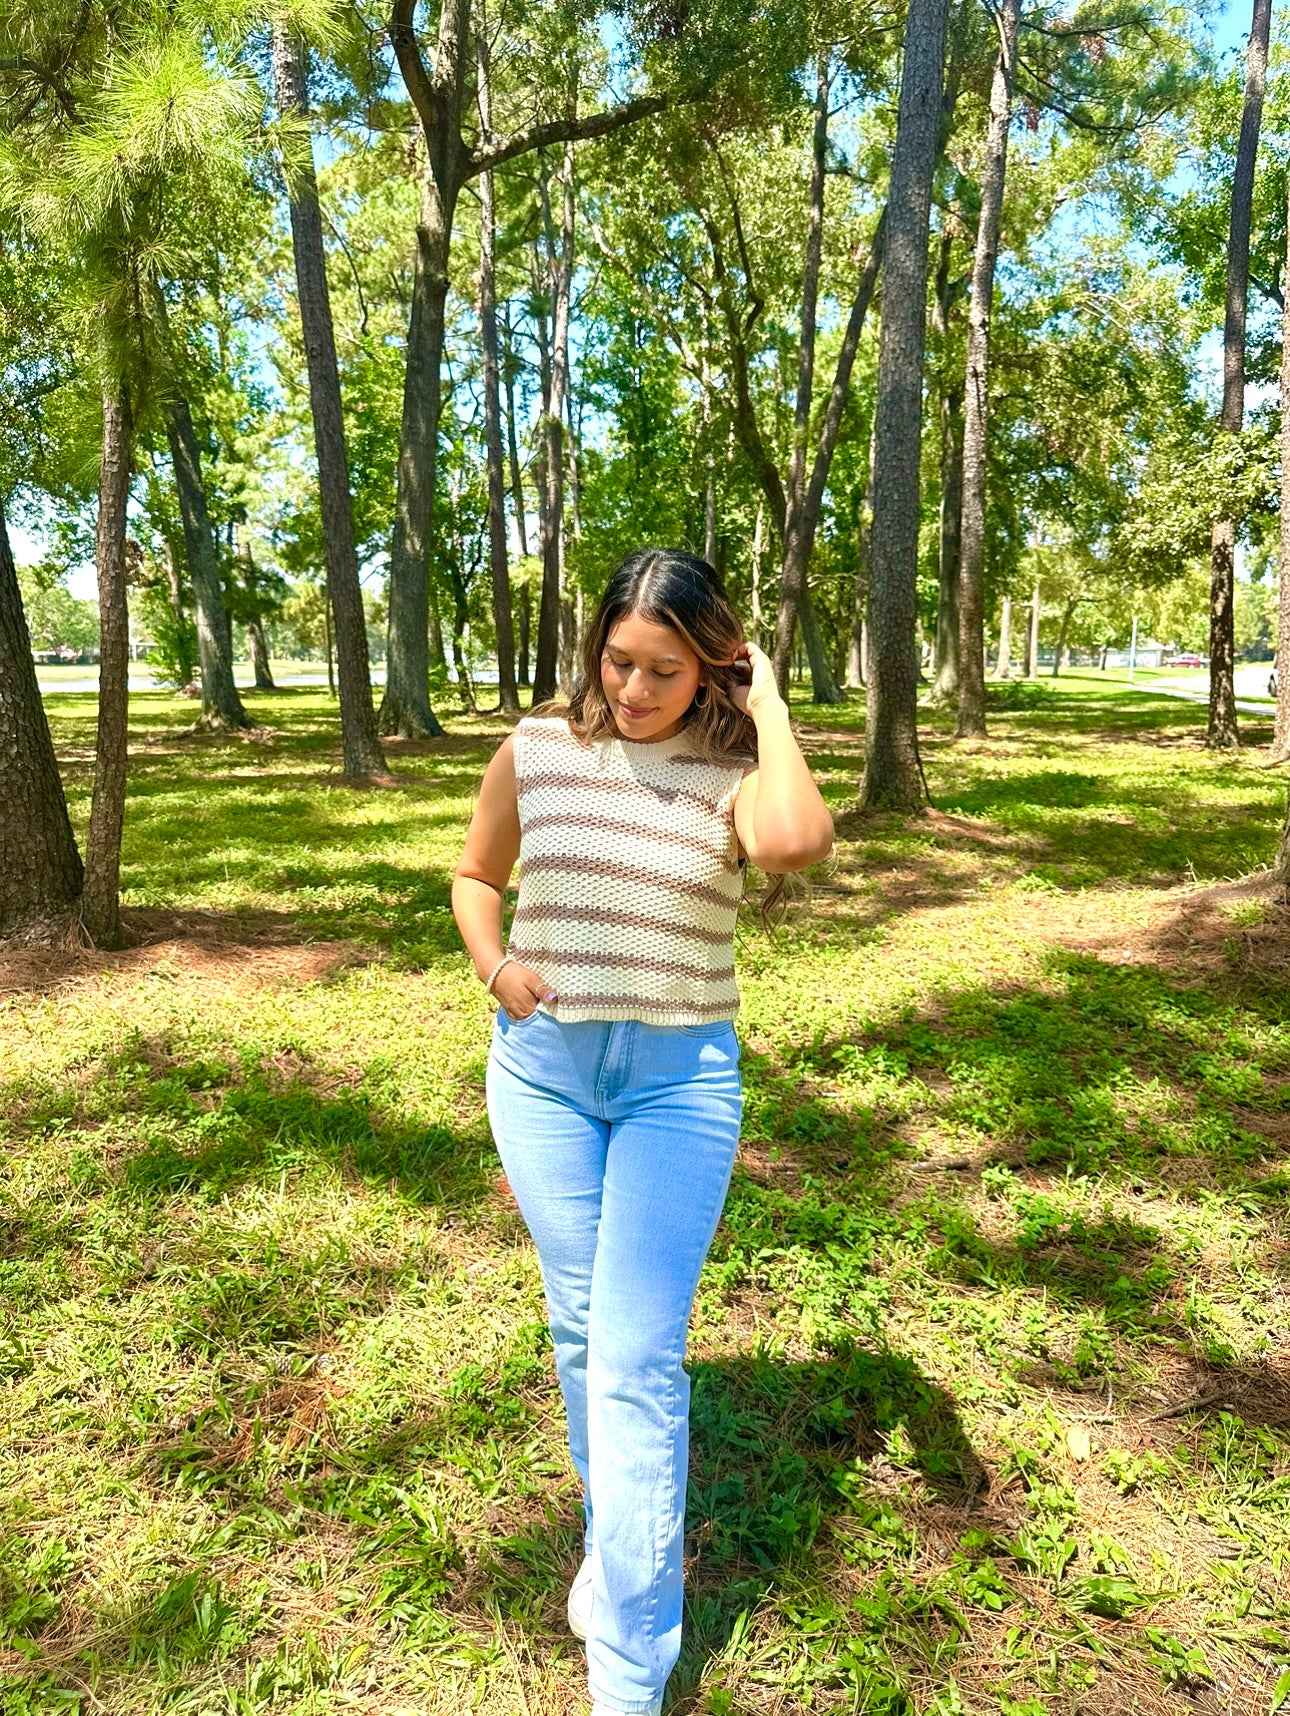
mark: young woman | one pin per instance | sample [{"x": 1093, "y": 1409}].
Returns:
[{"x": 613, "y": 1075}]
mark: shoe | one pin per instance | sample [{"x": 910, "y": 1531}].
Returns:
[{"x": 578, "y": 1607}]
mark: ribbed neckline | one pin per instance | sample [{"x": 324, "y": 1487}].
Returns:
[{"x": 656, "y": 747}]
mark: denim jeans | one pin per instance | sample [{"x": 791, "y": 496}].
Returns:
[{"x": 618, "y": 1139}]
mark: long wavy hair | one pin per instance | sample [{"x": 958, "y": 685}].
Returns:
[{"x": 672, "y": 588}]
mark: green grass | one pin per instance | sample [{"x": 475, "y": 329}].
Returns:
[{"x": 990, "y": 1391}]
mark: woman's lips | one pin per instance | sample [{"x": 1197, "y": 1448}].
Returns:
[{"x": 633, "y": 714}]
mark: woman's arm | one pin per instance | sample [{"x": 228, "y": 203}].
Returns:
[
  {"x": 780, "y": 818},
  {"x": 479, "y": 886}
]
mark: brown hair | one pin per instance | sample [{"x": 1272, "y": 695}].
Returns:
[{"x": 676, "y": 589}]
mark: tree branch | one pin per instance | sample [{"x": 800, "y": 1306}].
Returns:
[
  {"x": 484, "y": 156},
  {"x": 407, "y": 50}
]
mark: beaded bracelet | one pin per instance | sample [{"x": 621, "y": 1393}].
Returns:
[{"x": 509, "y": 959}]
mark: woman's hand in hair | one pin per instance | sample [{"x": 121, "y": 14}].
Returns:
[
  {"x": 760, "y": 690},
  {"x": 519, "y": 989}
]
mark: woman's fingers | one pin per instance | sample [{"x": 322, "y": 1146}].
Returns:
[{"x": 519, "y": 989}]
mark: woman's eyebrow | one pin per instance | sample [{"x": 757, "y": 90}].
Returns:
[{"x": 658, "y": 660}]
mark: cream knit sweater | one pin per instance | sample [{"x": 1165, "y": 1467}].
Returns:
[{"x": 629, "y": 875}]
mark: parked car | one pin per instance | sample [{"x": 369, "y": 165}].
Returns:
[{"x": 1185, "y": 661}]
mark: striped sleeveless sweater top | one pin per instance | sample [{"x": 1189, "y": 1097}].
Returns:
[{"x": 629, "y": 875}]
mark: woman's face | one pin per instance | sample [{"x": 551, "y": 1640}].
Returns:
[{"x": 649, "y": 675}]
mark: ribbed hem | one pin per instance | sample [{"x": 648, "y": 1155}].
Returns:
[
  {"x": 643, "y": 1015},
  {"x": 603, "y": 1707}
]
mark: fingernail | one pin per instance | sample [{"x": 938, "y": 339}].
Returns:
[{"x": 551, "y": 996}]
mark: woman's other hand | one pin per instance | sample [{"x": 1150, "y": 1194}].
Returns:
[
  {"x": 760, "y": 691},
  {"x": 519, "y": 989}
]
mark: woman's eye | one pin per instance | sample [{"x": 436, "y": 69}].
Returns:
[{"x": 665, "y": 676}]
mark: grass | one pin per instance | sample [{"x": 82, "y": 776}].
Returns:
[{"x": 990, "y": 1388}]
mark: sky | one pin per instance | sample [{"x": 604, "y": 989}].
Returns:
[{"x": 1231, "y": 22}]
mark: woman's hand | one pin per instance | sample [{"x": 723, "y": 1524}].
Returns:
[
  {"x": 760, "y": 692},
  {"x": 519, "y": 989}
]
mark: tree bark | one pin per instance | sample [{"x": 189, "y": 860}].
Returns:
[
  {"x": 498, "y": 559},
  {"x": 893, "y": 774},
  {"x": 259, "y": 655},
  {"x": 1068, "y": 613},
  {"x": 1281, "y": 727},
  {"x": 360, "y": 742},
  {"x": 1223, "y": 733},
  {"x": 222, "y": 709},
  {"x": 1281, "y": 864},
  {"x": 559, "y": 273},
  {"x": 405, "y": 708},
  {"x": 971, "y": 716},
  {"x": 40, "y": 868},
  {"x": 1003, "y": 661},
  {"x": 858, "y": 650},
  {"x": 1032, "y": 636},
  {"x": 100, "y": 899},
  {"x": 945, "y": 683}
]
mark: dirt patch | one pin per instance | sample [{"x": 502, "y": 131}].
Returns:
[{"x": 264, "y": 950}]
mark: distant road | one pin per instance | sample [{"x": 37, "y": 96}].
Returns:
[
  {"x": 1250, "y": 680},
  {"x": 141, "y": 678}
]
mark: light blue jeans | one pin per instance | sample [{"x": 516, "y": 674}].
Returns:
[{"x": 618, "y": 1139}]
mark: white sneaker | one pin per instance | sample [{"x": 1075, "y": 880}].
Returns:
[{"x": 578, "y": 1607}]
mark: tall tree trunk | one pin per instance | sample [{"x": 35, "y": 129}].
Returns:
[
  {"x": 405, "y": 708},
  {"x": 793, "y": 599},
  {"x": 1032, "y": 636},
  {"x": 945, "y": 683},
  {"x": 1068, "y": 613},
  {"x": 804, "y": 498},
  {"x": 945, "y": 648},
  {"x": 40, "y": 868},
  {"x": 360, "y": 743},
  {"x": 519, "y": 509},
  {"x": 548, "y": 625},
  {"x": 498, "y": 560},
  {"x": 552, "y": 659},
  {"x": 1222, "y": 733},
  {"x": 893, "y": 775},
  {"x": 858, "y": 643},
  {"x": 259, "y": 655},
  {"x": 1003, "y": 661},
  {"x": 971, "y": 717},
  {"x": 1281, "y": 729},
  {"x": 100, "y": 899},
  {"x": 221, "y": 705}
]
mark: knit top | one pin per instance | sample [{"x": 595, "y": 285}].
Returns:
[{"x": 630, "y": 876}]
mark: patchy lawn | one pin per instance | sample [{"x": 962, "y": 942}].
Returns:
[{"x": 991, "y": 1358}]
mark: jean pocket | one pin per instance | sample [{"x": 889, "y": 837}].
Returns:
[
  {"x": 710, "y": 1033},
  {"x": 512, "y": 1020}
]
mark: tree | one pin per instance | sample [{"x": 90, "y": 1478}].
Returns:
[
  {"x": 360, "y": 743},
  {"x": 507, "y": 694},
  {"x": 1222, "y": 733},
  {"x": 1281, "y": 728},
  {"x": 40, "y": 868},
  {"x": 893, "y": 773},
  {"x": 971, "y": 589},
  {"x": 448, "y": 160},
  {"x": 222, "y": 709}
]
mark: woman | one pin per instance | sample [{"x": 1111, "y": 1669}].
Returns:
[{"x": 613, "y": 1076}]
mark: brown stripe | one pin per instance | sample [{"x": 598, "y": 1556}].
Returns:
[
  {"x": 527, "y": 915},
  {"x": 594, "y": 783},
  {"x": 580, "y": 819},
  {"x": 561, "y": 866},
  {"x": 627, "y": 961},
  {"x": 591, "y": 997}
]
